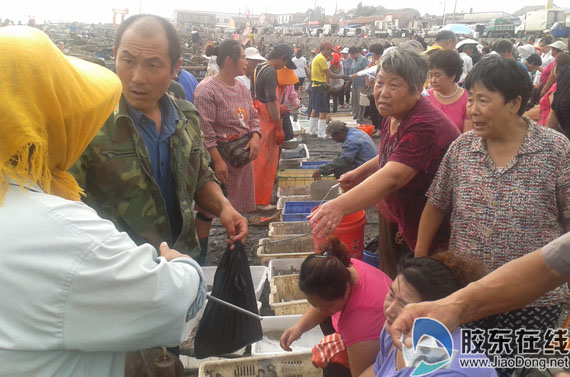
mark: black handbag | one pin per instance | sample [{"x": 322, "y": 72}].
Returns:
[
  {"x": 233, "y": 152},
  {"x": 287, "y": 127}
]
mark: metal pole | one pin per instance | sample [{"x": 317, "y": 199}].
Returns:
[
  {"x": 444, "y": 3},
  {"x": 234, "y": 307},
  {"x": 454, "y": 7}
]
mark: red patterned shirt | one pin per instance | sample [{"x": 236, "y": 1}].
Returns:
[
  {"x": 226, "y": 112},
  {"x": 500, "y": 214},
  {"x": 420, "y": 142}
]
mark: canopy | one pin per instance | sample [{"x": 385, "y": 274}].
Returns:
[{"x": 458, "y": 29}]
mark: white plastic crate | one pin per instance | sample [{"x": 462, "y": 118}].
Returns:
[
  {"x": 289, "y": 228},
  {"x": 289, "y": 365},
  {"x": 293, "y": 190},
  {"x": 258, "y": 275},
  {"x": 293, "y": 248},
  {"x": 284, "y": 266},
  {"x": 273, "y": 326},
  {"x": 295, "y": 198},
  {"x": 285, "y": 297}
]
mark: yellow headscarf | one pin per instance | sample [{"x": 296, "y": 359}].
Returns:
[{"x": 51, "y": 107}]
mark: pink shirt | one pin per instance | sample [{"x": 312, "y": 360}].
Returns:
[
  {"x": 363, "y": 317},
  {"x": 544, "y": 106},
  {"x": 456, "y": 111}
]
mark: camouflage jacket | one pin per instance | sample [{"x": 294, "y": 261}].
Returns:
[{"x": 116, "y": 174}]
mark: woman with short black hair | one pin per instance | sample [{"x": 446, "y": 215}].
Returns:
[
  {"x": 505, "y": 185},
  {"x": 413, "y": 139},
  {"x": 352, "y": 293},
  {"x": 445, "y": 69}
]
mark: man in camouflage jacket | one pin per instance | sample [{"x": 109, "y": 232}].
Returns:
[{"x": 116, "y": 171}]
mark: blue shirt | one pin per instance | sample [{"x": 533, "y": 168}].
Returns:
[
  {"x": 189, "y": 83},
  {"x": 158, "y": 147},
  {"x": 358, "y": 66},
  {"x": 347, "y": 65},
  {"x": 358, "y": 147}
]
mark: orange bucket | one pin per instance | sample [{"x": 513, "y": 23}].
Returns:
[
  {"x": 350, "y": 232},
  {"x": 368, "y": 128}
]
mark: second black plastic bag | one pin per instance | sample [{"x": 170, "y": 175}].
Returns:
[{"x": 223, "y": 330}]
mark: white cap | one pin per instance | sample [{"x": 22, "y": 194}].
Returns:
[
  {"x": 466, "y": 42},
  {"x": 344, "y": 50},
  {"x": 252, "y": 53},
  {"x": 526, "y": 50},
  {"x": 559, "y": 45}
]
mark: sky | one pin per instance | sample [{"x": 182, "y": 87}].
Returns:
[{"x": 102, "y": 10}]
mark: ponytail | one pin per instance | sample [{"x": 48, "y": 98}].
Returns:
[{"x": 326, "y": 275}]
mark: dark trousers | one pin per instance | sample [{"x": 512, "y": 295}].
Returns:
[
  {"x": 347, "y": 95},
  {"x": 337, "y": 97}
]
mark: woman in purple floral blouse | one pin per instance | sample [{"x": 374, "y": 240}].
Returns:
[{"x": 506, "y": 185}]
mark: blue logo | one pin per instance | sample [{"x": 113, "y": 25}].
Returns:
[{"x": 435, "y": 329}]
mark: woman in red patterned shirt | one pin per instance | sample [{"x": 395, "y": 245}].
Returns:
[{"x": 227, "y": 114}]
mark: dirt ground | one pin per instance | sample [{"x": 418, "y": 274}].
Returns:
[{"x": 319, "y": 150}]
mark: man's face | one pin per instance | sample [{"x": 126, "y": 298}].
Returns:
[
  {"x": 448, "y": 45},
  {"x": 355, "y": 55},
  {"x": 327, "y": 52},
  {"x": 144, "y": 67},
  {"x": 544, "y": 48}
]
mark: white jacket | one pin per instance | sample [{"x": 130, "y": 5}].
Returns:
[{"x": 76, "y": 294}]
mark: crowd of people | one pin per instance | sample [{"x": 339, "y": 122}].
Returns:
[{"x": 109, "y": 184}]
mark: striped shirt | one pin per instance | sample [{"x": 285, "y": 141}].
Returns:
[{"x": 226, "y": 112}]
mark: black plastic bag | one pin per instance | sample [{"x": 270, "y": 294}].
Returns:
[
  {"x": 223, "y": 330},
  {"x": 287, "y": 127}
]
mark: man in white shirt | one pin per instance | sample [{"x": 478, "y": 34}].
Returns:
[
  {"x": 465, "y": 49},
  {"x": 545, "y": 55},
  {"x": 301, "y": 71},
  {"x": 253, "y": 59}
]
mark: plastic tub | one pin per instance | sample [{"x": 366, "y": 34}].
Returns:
[
  {"x": 288, "y": 365},
  {"x": 285, "y": 297},
  {"x": 293, "y": 198},
  {"x": 371, "y": 258},
  {"x": 285, "y": 266},
  {"x": 313, "y": 164},
  {"x": 274, "y": 326},
  {"x": 289, "y": 228},
  {"x": 350, "y": 232},
  {"x": 300, "y": 247},
  {"x": 293, "y": 190},
  {"x": 368, "y": 128},
  {"x": 258, "y": 275},
  {"x": 298, "y": 211}
]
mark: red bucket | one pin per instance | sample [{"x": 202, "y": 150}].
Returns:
[
  {"x": 368, "y": 128},
  {"x": 350, "y": 232}
]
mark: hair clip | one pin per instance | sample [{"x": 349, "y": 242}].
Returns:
[{"x": 326, "y": 254}]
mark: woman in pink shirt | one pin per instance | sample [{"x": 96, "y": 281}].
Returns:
[
  {"x": 445, "y": 69},
  {"x": 352, "y": 293}
]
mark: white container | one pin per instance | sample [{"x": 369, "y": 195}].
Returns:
[
  {"x": 289, "y": 228},
  {"x": 300, "y": 247},
  {"x": 288, "y": 365},
  {"x": 285, "y": 266},
  {"x": 285, "y": 297},
  {"x": 293, "y": 190},
  {"x": 293, "y": 198},
  {"x": 272, "y": 326},
  {"x": 258, "y": 275}
]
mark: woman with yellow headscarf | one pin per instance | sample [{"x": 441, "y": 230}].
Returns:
[{"x": 76, "y": 293}]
